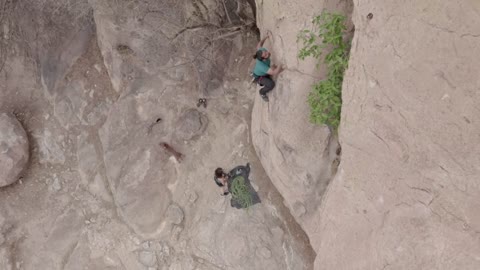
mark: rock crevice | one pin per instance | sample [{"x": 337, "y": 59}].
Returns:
[{"x": 300, "y": 158}]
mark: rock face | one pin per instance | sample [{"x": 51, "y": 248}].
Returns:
[
  {"x": 13, "y": 149},
  {"x": 298, "y": 156},
  {"x": 406, "y": 195},
  {"x": 120, "y": 78},
  {"x": 407, "y": 189}
]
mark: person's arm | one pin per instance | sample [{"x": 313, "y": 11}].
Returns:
[
  {"x": 260, "y": 44},
  {"x": 274, "y": 70},
  {"x": 225, "y": 179}
]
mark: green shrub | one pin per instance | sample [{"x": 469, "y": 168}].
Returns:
[
  {"x": 241, "y": 192},
  {"x": 325, "y": 99}
]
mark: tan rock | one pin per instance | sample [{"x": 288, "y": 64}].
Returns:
[
  {"x": 297, "y": 155},
  {"x": 406, "y": 196}
]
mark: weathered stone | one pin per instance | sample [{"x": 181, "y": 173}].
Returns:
[
  {"x": 57, "y": 54},
  {"x": 191, "y": 124},
  {"x": 136, "y": 176},
  {"x": 265, "y": 252},
  {"x": 86, "y": 158},
  {"x": 54, "y": 184},
  {"x": 147, "y": 258},
  {"x": 115, "y": 184},
  {"x": 50, "y": 147},
  {"x": 3, "y": 227},
  {"x": 70, "y": 105},
  {"x": 296, "y": 154},
  {"x": 5, "y": 259},
  {"x": 405, "y": 195},
  {"x": 407, "y": 191},
  {"x": 175, "y": 214},
  {"x": 14, "y": 152}
]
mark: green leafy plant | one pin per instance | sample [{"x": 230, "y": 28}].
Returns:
[
  {"x": 240, "y": 192},
  {"x": 325, "y": 99}
]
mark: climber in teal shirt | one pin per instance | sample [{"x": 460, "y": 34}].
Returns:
[
  {"x": 262, "y": 64},
  {"x": 262, "y": 71}
]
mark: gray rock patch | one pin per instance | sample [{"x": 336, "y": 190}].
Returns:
[
  {"x": 13, "y": 149},
  {"x": 191, "y": 124}
]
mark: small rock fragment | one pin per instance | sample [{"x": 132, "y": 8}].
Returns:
[
  {"x": 147, "y": 258},
  {"x": 175, "y": 214}
]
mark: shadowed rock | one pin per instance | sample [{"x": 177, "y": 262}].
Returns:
[
  {"x": 191, "y": 124},
  {"x": 13, "y": 149}
]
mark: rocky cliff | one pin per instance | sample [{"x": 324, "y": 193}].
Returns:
[
  {"x": 98, "y": 86},
  {"x": 406, "y": 192},
  {"x": 406, "y": 195},
  {"x": 299, "y": 157}
]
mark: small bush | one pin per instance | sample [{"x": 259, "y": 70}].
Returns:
[
  {"x": 325, "y": 99},
  {"x": 241, "y": 192}
]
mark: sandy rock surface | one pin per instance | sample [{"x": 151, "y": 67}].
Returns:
[
  {"x": 406, "y": 195},
  {"x": 100, "y": 87},
  {"x": 104, "y": 86}
]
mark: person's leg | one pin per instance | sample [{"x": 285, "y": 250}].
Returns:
[
  {"x": 268, "y": 85},
  {"x": 222, "y": 185}
]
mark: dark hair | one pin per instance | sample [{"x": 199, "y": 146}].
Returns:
[
  {"x": 219, "y": 172},
  {"x": 258, "y": 55}
]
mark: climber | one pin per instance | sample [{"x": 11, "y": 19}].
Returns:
[
  {"x": 263, "y": 72},
  {"x": 221, "y": 179}
]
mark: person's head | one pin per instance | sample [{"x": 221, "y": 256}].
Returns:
[
  {"x": 262, "y": 55},
  {"x": 219, "y": 173}
]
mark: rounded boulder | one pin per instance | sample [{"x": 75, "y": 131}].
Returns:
[{"x": 13, "y": 149}]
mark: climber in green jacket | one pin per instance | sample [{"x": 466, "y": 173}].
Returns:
[{"x": 263, "y": 72}]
